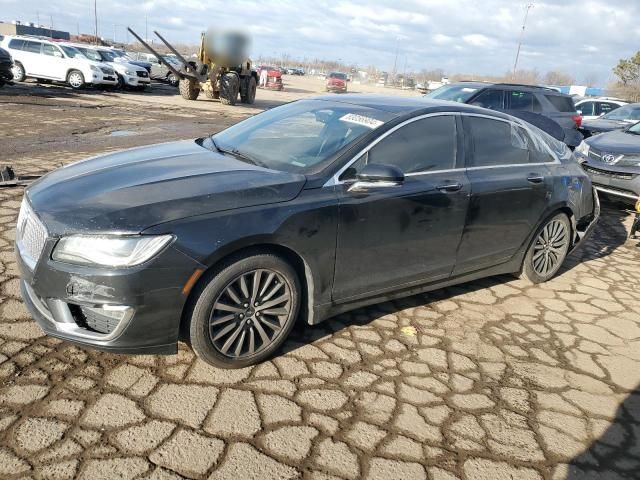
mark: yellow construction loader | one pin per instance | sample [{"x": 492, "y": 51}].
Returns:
[{"x": 220, "y": 74}]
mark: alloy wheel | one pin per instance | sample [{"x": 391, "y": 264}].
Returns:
[
  {"x": 76, "y": 80},
  {"x": 550, "y": 248},
  {"x": 250, "y": 313}
]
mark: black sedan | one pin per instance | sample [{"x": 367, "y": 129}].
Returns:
[
  {"x": 306, "y": 210},
  {"x": 6, "y": 64}
]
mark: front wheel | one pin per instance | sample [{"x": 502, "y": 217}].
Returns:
[
  {"x": 75, "y": 79},
  {"x": 244, "y": 312},
  {"x": 229, "y": 88},
  {"x": 548, "y": 249},
  {"x": 189, "y": 88}
]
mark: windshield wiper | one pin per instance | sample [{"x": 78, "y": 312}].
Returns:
[{"x": 238, "y": 154}]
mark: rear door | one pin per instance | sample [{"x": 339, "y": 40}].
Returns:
[
  {"x": 562, "y": 110},
  {"x": 510, "y": 187},
  {"x": 32, "y": 59}
]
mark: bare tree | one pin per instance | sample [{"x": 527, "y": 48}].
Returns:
[{"x": 556, "y": 77}]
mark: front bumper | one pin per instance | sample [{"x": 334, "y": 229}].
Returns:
[
  {"x": 150, "y": 297},
  {"x": 622, "y": 183},
  {"x": 103, "y": 79},
  {"x": 135, "y": 81}
]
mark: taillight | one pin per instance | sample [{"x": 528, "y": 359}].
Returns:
[{"x": 578, "y": 120}]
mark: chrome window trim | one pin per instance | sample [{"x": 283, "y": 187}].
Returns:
[
  {"x": 335, "y": 179},
  {"x": 522, "y": 124}
]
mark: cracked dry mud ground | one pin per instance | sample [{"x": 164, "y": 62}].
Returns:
[{"x": 496, "y": 379}]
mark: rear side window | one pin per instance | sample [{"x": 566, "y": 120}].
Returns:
[
  {"x": 496, "y": 143},
  {"x": 16, "y": 44},
  {"x": 525, "y": 101},
  {"x": 489, "y": 99},
  {"x": 424, "y": 145},
  {"x": 32, "y": 47},
  {"x": 587, "y": 108},
  {"x": 561, "y": 103},
  {"x": 606, "y": 107}
]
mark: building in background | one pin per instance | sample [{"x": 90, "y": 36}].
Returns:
[{"x": 19, "y": 28}]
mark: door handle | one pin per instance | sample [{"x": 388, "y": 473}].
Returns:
[
  {"x": 449, "y": 187},
  {"x": 535, "y": 178}
]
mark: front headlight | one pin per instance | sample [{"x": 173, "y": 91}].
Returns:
[
  {"x": 583, "y": 149},
  {"x": 109, "y": 251},
  {"x": 131, "y": 73},
  {"x": 95, "y": 69}
]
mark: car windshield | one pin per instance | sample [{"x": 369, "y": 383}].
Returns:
[
  {"x": 72, "y": 52},
  {"x": 299, "y": 136},
  {"x": 635, "y": 129},
  {"x": 627, "y": 112},
  {"x": 107, "y": 56},
  {"x": 91, "y": 54},
  {"x": 340, "y": 76},
  {"x": 456, "y": 93}
]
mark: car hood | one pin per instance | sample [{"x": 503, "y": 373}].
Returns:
[
  {"x": 132, "y": 190},
  {"x": 122, "y": 67},
  {"x": 604, "y": 125},
  {"x": 616, "y": 142}
]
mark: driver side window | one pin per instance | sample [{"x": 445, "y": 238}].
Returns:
[{"x": 428, "y": 144}]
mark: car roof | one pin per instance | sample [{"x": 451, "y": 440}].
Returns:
[
  {"x": 405, "y": 105},
  {"x": 506, "y": 85}
]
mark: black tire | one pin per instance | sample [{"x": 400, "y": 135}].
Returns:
[
  {"x": 249, "y": 95},
  {"x": 19, "y": 74},
  {"x": 242, "y": 329},
  {"x": 229, "y": 88},
  {"x": 189, "y": 88},
  {"x": 75, "y": 79},
  {"x": 120, "y": 85},
  {"x": 548, "y": 249}
]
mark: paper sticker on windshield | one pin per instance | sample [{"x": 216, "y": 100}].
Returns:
[{"x": 361, "y": 120}]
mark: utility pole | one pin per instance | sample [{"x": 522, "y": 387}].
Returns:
[
  {"x": 95, "y": 17},
  {"x": 524, "y": 25},
  {"x": 146, "y": 28},
  {"x": 395, "y": 60},
  {"x": 114, "y": 33},
  {"x": 51, "y": 27},
  {"x": 38, "y": 18}
]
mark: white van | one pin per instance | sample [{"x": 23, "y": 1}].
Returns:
[
  {"x": 128, "y": 74},
  {"x": 36, "y": 57}
]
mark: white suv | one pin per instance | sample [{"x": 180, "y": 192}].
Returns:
[
  {"x": 37, "y": 57},
  {"x": 592, "y": 108},
  {"x": 129, "y": 75}
]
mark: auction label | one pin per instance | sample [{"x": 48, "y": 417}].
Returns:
[{"x": 361, "y": 120}]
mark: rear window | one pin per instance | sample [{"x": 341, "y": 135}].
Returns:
[
  {"x": 561, "y": 103},
  {"x": 16, "y": 44}
]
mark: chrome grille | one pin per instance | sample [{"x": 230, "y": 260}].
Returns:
[{"x": 31, "y": 234}]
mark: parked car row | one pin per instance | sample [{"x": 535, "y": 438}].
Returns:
[{"x": 75, "y": 64}]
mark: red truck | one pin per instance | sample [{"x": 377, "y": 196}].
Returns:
[
  {"x": 337, "y": 82},
  {"x": 273, "y": 78}
]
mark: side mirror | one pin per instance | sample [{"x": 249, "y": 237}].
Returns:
[
  {"x": 57, "y": 54},
  {"x": 374, "y": 176}
]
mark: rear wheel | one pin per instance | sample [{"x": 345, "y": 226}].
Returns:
[
  {"x": 249, "y": 95},
  {"x": 229, "y": 88},
  {"x": 18, "y": 72},
  {"x": 548, "y": 249},
  {"x": 189, "y": 88},
  {"x": 75, "y": 79},
  {"x": 245, "y": 310}
]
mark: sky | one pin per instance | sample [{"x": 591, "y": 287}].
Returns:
[{"x": 584, "y": 38}]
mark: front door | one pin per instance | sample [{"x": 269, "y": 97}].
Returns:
[
  {"x": 510, "y": 188},
  {"x": 390, "y": 237}
]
